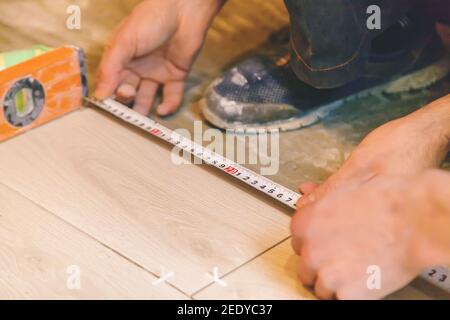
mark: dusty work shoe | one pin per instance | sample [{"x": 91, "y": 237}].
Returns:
[{"x": 263, "y": 92}]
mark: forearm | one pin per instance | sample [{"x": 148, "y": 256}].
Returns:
[
  {"x": 201, "y": 14},
  {"x": 438, "y": 113}
]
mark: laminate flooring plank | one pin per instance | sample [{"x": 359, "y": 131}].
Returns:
[
  {"x": 273, "y": 276},
  {"x": 270, "y": 276},
  {"x": 42, "y": 257},
  {"x": 120, "y": 186}
]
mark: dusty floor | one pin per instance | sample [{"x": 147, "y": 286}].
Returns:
[{"x": 310, "y": 154}]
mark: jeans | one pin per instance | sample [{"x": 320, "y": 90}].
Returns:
[{"x": 331, "y": 43}]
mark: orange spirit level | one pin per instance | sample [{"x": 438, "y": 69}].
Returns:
[{"x": 41, "y": 89}]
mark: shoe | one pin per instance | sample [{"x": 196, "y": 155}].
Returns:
[{"x": 263, "y": 92}]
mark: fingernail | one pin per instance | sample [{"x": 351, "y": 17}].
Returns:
[
  {"x": 302, "y": 202},
  {"x": 99, "y": 92},
  {"x": 305, "y": 200},
  {"x": 126, "y": 91},
  {"x": 163, "y": 111}
]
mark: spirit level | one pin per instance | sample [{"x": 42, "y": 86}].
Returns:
[{"x": 36, "y": 90}]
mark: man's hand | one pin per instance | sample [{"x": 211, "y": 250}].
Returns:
[
  {"x": 408, "y": 145},
  {"x": 397, "y": 223},
  {"x": 155, "y": 46}
]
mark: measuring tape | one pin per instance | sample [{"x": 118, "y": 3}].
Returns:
[
  {"x": 439, "y": 276},
  {"x": 210, "y": 157}
]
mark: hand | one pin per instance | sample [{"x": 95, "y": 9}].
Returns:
[
  {"x": 155, "y": 46},
  {"x": 408, "y": 145},
  {"x": 399, "y": 224}
]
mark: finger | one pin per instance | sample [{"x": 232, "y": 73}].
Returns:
[
  {"x": 296, "y": 245},
  {"x": 308, "y": 197},
  {"x": 111, "y": 66},
  {"x": 299, "y": 226},
  {"x": 307, "y": 187},
  {"x": 327, "y": 283},
  {"x": 306, "y": 273},
  {"x": 305, "y": 200},
  {"x": 145, "y": 96},
  {"x": 315, "y": 195},
  {"x": 127, "y": 90},
  {"x": 322, "y": 291},
  {"x": 172, "y": 97},
  {"x": 126, "y": 93}
]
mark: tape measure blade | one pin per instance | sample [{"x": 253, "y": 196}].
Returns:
[
  {"x": 249, "y": 177},
  {"x": 438, "y": 276}
]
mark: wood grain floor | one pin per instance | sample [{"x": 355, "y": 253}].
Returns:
[
  {"x": 87, "y": 190},
  {"x": 39, "y": 253},
  {"x": 123, "y": 190}
]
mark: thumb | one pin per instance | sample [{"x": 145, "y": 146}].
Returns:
[
  {"x": 316, "y": 194},
  {"x": 307, "y": 187}
]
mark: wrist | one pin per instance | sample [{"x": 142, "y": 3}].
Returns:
[
  {"x": 199, "y": 14},
  {"x": 210, "y": 7}
]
